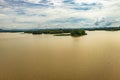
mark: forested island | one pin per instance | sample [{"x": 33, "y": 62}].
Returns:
[
  {"x": 56, "y": 32},
  {"x": 62, "y": 31},
  {"x": 72, "y": 32}
]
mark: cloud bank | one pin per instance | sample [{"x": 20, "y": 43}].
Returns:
[{"x": 26, "y": 14}]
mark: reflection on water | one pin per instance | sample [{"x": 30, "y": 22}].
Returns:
[{"x": 95, "y": 56}]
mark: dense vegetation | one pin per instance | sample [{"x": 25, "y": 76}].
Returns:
[
  {"x": 104, "y": 28},
  {"x": 76, "y": 33},
  {"x": 60, "y": 32}
]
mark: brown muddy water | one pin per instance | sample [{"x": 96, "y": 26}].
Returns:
[{"x": 95, "y": 56}]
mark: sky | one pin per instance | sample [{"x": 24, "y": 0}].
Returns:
[{"x": 37, "y": 14}]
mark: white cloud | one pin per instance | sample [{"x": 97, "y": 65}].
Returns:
[
  {"x": 33, "y": 1},
  {"x": 36, "y": 15}
]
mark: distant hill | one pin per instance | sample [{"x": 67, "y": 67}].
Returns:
[
  {"x": 59, "y": 29},
  {"x": 1, "y": 30}
]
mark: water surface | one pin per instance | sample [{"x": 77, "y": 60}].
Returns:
[{"x": 95, "y": 56}]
